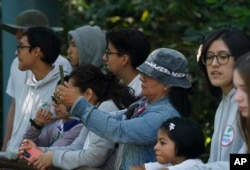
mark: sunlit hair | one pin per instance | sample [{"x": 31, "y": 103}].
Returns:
[{"x": 242, "y": 65}]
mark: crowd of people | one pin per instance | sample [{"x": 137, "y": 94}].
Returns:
[{"x": 122, "y": 105}]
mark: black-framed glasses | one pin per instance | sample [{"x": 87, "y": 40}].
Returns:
[
  {"x": 56, "y": 99},
  {"x": 107, "y": 53},
  {"x": 221, "y": 58},
  {"x": 19, "y": 47}
]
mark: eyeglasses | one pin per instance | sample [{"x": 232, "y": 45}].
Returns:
[
  {"x": 107, "y": 53},
  {"x": 221, "y": 58},
  {"x": 19, "y": 47},
  {"x": 56, "y": 99}
]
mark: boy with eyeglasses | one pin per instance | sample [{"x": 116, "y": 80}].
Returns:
[
  {"x": 37, "y": 50},
  {"x": 126, "y": 50},
  {"x": 17, "y": 78}
]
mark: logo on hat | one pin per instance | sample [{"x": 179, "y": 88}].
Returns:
[{"x": 165, "y": 70}]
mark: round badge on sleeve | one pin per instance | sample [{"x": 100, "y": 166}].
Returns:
[{"x": 228, "y": 136}]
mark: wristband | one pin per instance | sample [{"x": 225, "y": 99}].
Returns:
[{"x": 35, "y": 125}]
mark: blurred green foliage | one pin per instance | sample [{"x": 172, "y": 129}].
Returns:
[{"x": 176, "y": 24}]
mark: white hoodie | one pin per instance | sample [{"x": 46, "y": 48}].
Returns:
[{"x": 32, "y": 95}]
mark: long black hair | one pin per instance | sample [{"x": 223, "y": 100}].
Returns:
[
  {"x": 179, "y": 98},
  {"x": 105, "y": 86}
]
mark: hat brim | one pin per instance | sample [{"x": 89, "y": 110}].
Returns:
[
  {"x": 11, "y": 28},
  {"x": 164, "y": 78}
]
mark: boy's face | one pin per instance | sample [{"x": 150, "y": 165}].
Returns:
[
  {"x": 73, "y": 53},
  {"x": 114, "y": 62},
  {"x": 26, "y": 61}
]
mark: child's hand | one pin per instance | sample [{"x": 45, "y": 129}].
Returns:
[
  {"x": 43, "y": 116},
  {"x": 42, "y": 162},
  {"x": 26, "y": 144}
]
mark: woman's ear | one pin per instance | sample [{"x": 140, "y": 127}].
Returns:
[{"x": 166, "y": 89}]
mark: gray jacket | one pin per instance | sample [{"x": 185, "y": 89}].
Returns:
[
  {"x": 91, "y": 44},
  {"x": 75, "y": 155}
]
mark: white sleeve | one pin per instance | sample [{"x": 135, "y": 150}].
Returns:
[
  {"x": 154, "y": 166},
  {"x": 220, "y": 165},
  {"x": 61, "y": 60},
  {"x": 187, "y": 164},
  {"x": 16, "y": 79}
]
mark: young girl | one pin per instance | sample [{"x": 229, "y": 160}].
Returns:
[
  {"x": 106, "y": 93},
  {"x": 241, "y": 81},
  {"x": 60, "y": 132},
  {"x": 180, "y": 142},
  {"x": 242, "y": 84},
  {"x": 219, "y": 53}
]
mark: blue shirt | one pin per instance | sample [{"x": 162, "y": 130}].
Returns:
[{"x": 138, "y": 134}]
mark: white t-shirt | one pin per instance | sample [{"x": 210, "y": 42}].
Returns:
[
  {"x": 187, "y": 164},
  {"x": 136, "y": 85},
  {"x": 17, "y": 77}
]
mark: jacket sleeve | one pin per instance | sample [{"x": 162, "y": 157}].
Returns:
[
  {"x": 75, "y": 145},
  {"x": 137, "y": 131},
  {"x": 32, "y": 134},
  {"x": 69, "y": 136},
  {"x": 42, "y": 137},
  {"x": 95, "y": 155}
]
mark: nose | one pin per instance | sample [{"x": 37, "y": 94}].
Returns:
[
  {"x": 69, "y": 51},
  {"x": 16, "y": 53},
  {"x": 141, "y": 78},
  {"x": 54, "y": 104},
  {"x": 104, "y": 57},
  {"x": 237, "y": 96},
  {"x": 156, "y": 146},
  {"x": 215, "y": 62}
]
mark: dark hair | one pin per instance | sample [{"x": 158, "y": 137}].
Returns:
[
  {"x": 180, "y": 100},
  {"x": 66, "y": 78},
  {"x": 131, "y": 42},
  {"x": 187, "y": 136},
  {"x": 236, "y": 41},
  {"x": 46, "y": 39},
  {"x": 242, "y": 65},
  {"x": 105, "y": 86}
]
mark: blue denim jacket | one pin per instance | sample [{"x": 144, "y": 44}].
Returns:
[{"x": 139, "y": 134}]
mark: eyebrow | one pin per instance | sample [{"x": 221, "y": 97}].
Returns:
[{"x": 222, "y": 51}]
